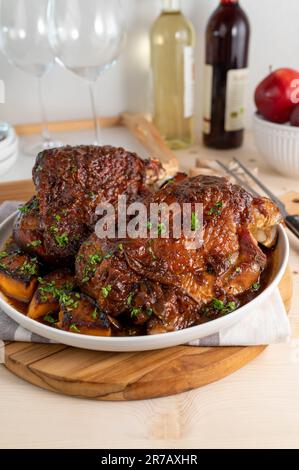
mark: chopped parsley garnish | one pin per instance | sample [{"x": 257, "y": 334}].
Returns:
[
  {"x": 149, "y": 311},
  {"x": 3, "y": 254},
  {"x": 238, "y": 270},
  {"x": 90, "y": 267},
  {"x": 221, "y": 307},
  {"x": 34, "y": 243},
  {"x": 24, "y": 209},
  {"x": 217, "y": 209},
  {"x": 59, "y": 293},
  {"x": 29, "y": 267},
  {"x": 255, "y": 286},
  {"x": 95, "y": 314},
  {"x": 68, "y": 301},
  {"x": 130, "y": 298},
  {"x": 106, "y": 290},
  {"x": 135, "y": 312},
  {"x": 53, "y": 229},
  {"x": 218, "y": 304},
  {"x": 49, "y": 319},
  {"x": 149, "y": 225},
  {"x": 57, "y": 217},
  {"x": 94, "y": 259},
  {"x": 194, "y": 222},
  {"x": 161, "y": 228},
  {"x": 120, "y": 247},
  {"x": 73, "y": 327},
  {"x": 62, "y": 240}
]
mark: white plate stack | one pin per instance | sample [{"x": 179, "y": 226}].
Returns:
[{"x": 9, "y": 144}]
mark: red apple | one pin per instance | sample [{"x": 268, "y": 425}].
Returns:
[
  {"x": 273, "y": 96},
  {"x": 294, "y": 119}
]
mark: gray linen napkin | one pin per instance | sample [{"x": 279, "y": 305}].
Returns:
[{"x": 267, "y": 324}]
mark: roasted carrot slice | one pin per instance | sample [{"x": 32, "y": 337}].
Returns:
[
  {"x": 80, "y": 314},
  {"x": 18, "y": 275},
  {"x": 50, "y": 289}
]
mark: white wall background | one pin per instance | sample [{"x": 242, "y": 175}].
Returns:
[{"x": 274, "y": 41}]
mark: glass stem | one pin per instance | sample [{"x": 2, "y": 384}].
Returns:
[
  {"x": 45, "y": 127},
  {"x": 97, "y": 130}
]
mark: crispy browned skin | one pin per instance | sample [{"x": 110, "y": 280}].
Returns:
[
  {"x": 72, "y": 181},
  {"x": 50, "y": 289},
  {"x": 103, "y": 273},
  {"x": 28, "y": 232},
  {"x": 171, "y": 284},
  {"x": 82, "y": 315},
  {"x": 18, "y": 275},
  {"x": 229, "y": 255}
]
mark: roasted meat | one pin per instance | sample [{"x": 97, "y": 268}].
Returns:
[
  {"x": 70, "y": 183},
  {"x": 103, "y": 273},
  {"x": 229, "y": 259},
  {"x": 164, "y": 285}
]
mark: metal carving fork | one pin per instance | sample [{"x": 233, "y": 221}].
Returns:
[{"x": 291, "y": 221}]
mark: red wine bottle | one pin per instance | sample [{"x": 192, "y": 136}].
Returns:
[{"x": 226, "y": 76}]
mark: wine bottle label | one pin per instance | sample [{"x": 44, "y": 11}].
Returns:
[
  {"x": 188, "y": 81},
  {"x": 236, "y": 87},
  {"x": 207, "y": 111}
]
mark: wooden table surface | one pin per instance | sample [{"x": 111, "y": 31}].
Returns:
[{"x": 258, "y": 406}]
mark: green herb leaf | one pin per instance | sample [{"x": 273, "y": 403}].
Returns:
[
  {"x": 95, "y": 314},
  {"x": 3, "y": 254},
  {"x": 194, "y": 222},
  {"x": 161, "y": 228},
  {"x": 53, "y": 229},
  {"x": 49, "y": 319},
  {"x": 73, "y": 327},
  {"x": 218, "y": 304},
  {"x": 24, "y": 209},
  {"x": 255, "y": 286},
  {"x": 106, "y": 290},
  {"x": 62, "y": 240},
  {"x": 130, "y": 298},
  {"x": 57, "y": 217},
  {"x": 135, "y": 312},
  {"x": 217, "y": 209},
  {"x": 29, "y": 267},
  {"x": 149, "y": 311},
  {"x": 34, "y": 243}
]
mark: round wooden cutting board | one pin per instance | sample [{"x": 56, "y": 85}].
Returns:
[{"x": 129, "y": 376}]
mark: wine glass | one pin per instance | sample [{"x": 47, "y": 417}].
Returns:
[
  {"x": 24, "y": 41},
  {"x": 87, "y": 38}
]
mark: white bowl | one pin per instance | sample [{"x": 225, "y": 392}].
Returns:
[
  {"x": 278, "y": 144},
  {"x": 144, "y": 343}
]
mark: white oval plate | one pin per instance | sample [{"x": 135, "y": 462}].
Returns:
[{"x": 144, "y": 343}]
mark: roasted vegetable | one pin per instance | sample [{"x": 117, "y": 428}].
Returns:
[
  {"x": 18, "y": 275},
  {"x": 51, "y": 289},
  {"x": 80, "y": 314}
]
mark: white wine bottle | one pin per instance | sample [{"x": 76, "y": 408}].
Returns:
[{"x": 172, "y": 61}]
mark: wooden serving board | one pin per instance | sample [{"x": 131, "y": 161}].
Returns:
[{"x": 128, "y": 376}]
